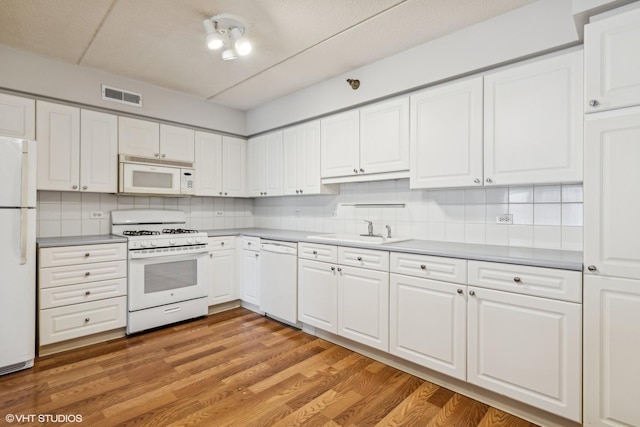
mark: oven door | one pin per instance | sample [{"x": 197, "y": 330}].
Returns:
[
  {"x": 164, "y": 280},
  {"x": 149, "y": 179}
]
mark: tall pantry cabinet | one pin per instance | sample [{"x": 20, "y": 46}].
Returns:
[{"x": 612, "y": 229}]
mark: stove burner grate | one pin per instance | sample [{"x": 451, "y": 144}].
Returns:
[
  {"x": 140, "y": 233},
  {"x": 177, "y": 231}
]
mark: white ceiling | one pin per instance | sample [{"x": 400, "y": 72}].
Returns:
[{"x": 296, "y": 42}]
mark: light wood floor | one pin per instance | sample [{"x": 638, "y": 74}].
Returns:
[{"x": 233, "y": 369}]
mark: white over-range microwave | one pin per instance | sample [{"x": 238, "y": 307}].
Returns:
[{"x": 140, "y": 175}]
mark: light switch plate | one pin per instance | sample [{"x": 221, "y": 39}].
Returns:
[
  {"x": 96, "y": 214},
  {"x": 504, "y": 219}
]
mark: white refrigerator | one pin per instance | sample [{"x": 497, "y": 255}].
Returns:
[{"x": 17, "y": 254}]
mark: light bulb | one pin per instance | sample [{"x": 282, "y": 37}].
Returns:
[
  {"x": 241, "y": 42},
  {"x": 229, "y": 54},
  {"x": 215, "y": 41}
]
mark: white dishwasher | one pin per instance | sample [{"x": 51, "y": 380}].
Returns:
[{"x": 279, "y": 280}]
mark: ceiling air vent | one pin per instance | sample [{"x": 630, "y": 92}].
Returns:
[{"x": 118, "y": 95}]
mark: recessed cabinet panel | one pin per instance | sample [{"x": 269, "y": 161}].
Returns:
[
  {"x": 98, "y": 152},
  {"x": 446, "y": 136},
  {"x": 17, "y": 116},
  {"x": 250, "y": 271},
  {"x": 318, "y": 294},
  {"x": 222, "y": 277},
  {"x": 234, "y": 172},
  {"x": 176, "y": 143},
  {"x": 612, "y": 150},
  {"x": 208, "y": 164},
  {"x": 612, "y": 66},
  {"x": 533, "y": 122},
  {"x": 138, "y": 137},
  {"x": 340, "y": 144}
]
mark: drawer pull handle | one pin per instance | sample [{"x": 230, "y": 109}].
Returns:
[
  {"x": 88, "y": 293},
  {"x": 87, "y": 319},
  {"x": 359, "y": 258},
  {"x": 424, "y": 267},
  {"x": 472, "y": 293},
  {"x": 87, "y": 254},
  {"x": 459, "y": 291},
  {"x": 88, "y": 273},
  {"x": 315, "y": 252},
  {"x": 517, "y": 279}
]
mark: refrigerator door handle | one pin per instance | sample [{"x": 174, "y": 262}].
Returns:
[
  {"x": 24, "y": 221},
  {"x": 24, "y": 230},
  {"x": 25, "y": 174}
]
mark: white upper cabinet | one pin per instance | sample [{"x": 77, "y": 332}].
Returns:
[
  {"x": 301, "y": 160},
  {"x": 612, "y": 151},
  {"x": 176, "y": 143},
  {"x": 533, "y": 122},
  {"x": 384, "y": 136},
  {"x": 208, "y": 164},
  {"x": 264, "y": 164},
  {"x": 372, "y": 140},
  {"x": 98, "y": 152},
  {"x": 234, "y": 171},
  {"x": 58, "y": 136},
  {"x": 138, "y": 137},
  {"x": 612, "y": 64},
  {"x": 446, "y": 136},
  {"x": 17, "y": 116}
]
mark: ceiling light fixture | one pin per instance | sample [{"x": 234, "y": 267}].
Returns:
[{"x": 229, "y": 32}]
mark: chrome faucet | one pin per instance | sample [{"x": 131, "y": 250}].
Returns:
[
  {"x": 388, "y": 227},
  {"x": 370, "y": 230}
]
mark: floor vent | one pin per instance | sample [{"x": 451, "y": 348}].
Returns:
[
  {"x": 118, "y": 95},
  {"x": 13, "y": 368}
]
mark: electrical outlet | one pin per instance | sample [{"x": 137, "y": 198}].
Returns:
[
  {"x": 96, "y": 214},
  {"x": 296, "y": 214},
  {"x": 219, "y": 213},
  {"x": 504, "y": 219}
]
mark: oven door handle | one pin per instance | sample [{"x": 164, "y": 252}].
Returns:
[{"x": 157, "y": 258}]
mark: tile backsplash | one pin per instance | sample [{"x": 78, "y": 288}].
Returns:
[
  {"x": 70, "y": 214},
  {"x": 545, "y": 216}
]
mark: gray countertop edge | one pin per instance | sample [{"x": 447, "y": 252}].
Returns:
[{"x": 536, "y": 257}]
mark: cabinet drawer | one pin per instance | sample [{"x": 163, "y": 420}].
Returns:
[
  {"x": 85, "y": 254},
  {"x": 430, "y": 267},
  {"x": 74, "y": 294},
  {"x": 537, "y": 281},
  {"x": 73, "y": 321},
  {"x": 366, "y": 258},
  {"x": 220, "y": 243},
  {"x": 325, "y": 253},
  {"x": 251, "y": 243},
  {"x": 76, "y": 274}
]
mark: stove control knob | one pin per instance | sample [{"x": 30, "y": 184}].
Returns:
[
  {"x": 143, "y": 244},
  {"x": 190, "y": 241},
  {"x": 172, "y": 242},
  {"x": 198, "y": 240},
  {"x": 153, "y": 242}
]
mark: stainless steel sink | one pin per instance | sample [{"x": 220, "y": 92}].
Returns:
[{"x": 355, "y": 238}]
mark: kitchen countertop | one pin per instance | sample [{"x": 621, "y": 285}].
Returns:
[{"x": 550, "y": 258}]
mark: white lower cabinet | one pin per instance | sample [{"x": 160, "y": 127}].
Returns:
[
  {"x": 222, "y": 270},
  {"x": 428, "y": 323},
  {"x": 250, "y": 270},
  {"x": 318, "y": 294},
  {"x": 363, "y": 306},
  {"x": 527, "y": 348},
  {"x": 611, "y": 349}
]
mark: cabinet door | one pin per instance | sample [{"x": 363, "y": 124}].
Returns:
[
  {"x": 58, "y": 136},
  {"x": 251, "y": 277},
  {"x": 363, "y": 306},
  {"x": 138, "y": 137},
  {"x": 256, "y": 153},
  {"x": 208, "y": 164},
  {"x": 446, "y": 136},
  {"x": 611, "y": 348},
  {"x": 428, "y": 324},
  {"x": 318, "y": 294},
  {"x": 273, "y": 164},
  {"x": 234, "y": 153},
  {"x": 527, "y": 348},
  {"x": 292, "y": 155},
  {"x": 17, "y": 116},
  {"x": 176, "y": 143},
  {"x": 384, "y": 136},
  {"x": 612, "y": 150},
  {"x": 340, "y": 144},
  {"x": 222, "y": 279},
  {"x": 612, "y": 65},
  {"x": 98, "y": 152},
  {"x": 301, "y": 168},
  {"x": 533, "y": 122}
]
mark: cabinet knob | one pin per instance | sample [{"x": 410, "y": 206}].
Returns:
[
  {"x": 517, "y": 279},
  {"x": 87, "y": 254},
  {"x": 88, "y": 293},
  {"x": 265, "y": 193},
  {"x": 164, "y": 155},
  {"x": 592, "y": 268},
  {"x": 477, "y": 180},
  {"x": 339, "y": 269},
  {"x": 225, "y": 193},
  {"x": 156, "y": 154},
  {"x": 315, "y": 252},
  {"x": 489, "y": 180},
  {"x": 249, "y": 243},
  {"x": 300, "y": 191},
  {"x": 424, "y": 267},
  {"x": 594, "y": 103},
  {"x": 459, "y": 291},
  {"x": 333, "y": 269},
  {"x": 210, "y": 255},
  {"x": 359, "y": 258},
  {"x": 361, "y": 170},
  {"x": 297, "y": 191},
  {"x": 86, "y": 319},
  {"x": 75, "y": 187},
  {"x": 472, "y": 293},
  {"x": 84, "y": 187},
  {"x": 221, "y": 243},
  {"x": 88, "y": 273},
  {"x": 355, "y": 171},
  {"x": 220, "y": 193}
]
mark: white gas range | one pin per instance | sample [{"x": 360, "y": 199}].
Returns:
[{"x": 168, "y": 267}]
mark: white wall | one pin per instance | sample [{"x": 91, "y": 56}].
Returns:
[
  {"x": 541, "y": 26},
  {"x": 26, "y": 72}
]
